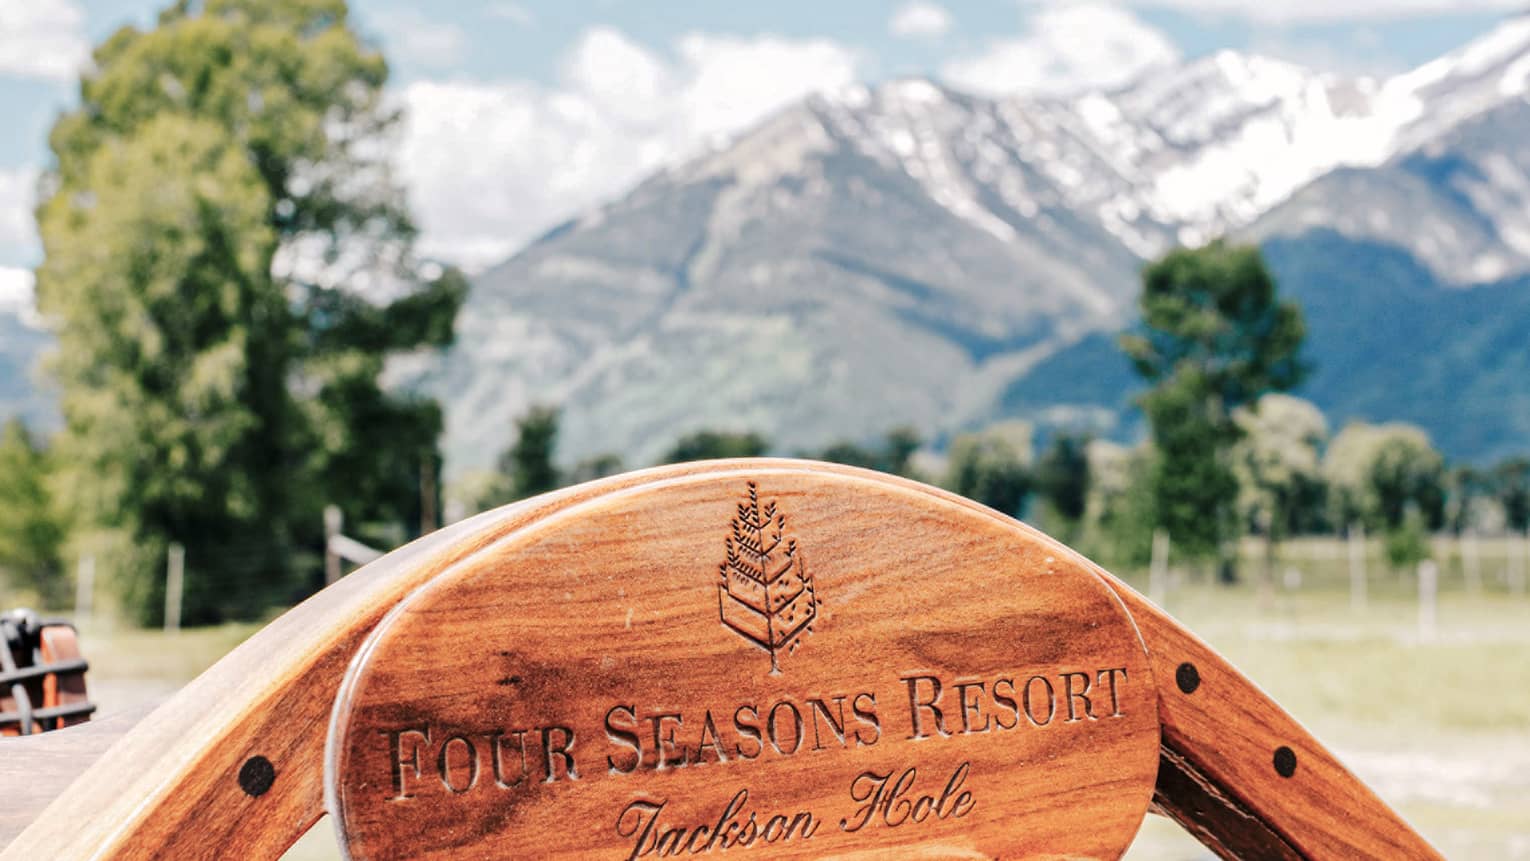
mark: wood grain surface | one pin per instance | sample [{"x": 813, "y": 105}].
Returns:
[
  {"x": 181, "y": 784},
  {"x": 35, "y": 769},
  {"x": 583, "y": 690}
]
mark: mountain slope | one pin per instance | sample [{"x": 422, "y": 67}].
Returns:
[
  {"x": 798, "y": 282},
  {"x": 909, "y": 254},
  {"x": 1460, "y": 202},
  {"x": 1388, "y": 342}
]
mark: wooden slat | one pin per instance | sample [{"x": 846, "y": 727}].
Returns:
[
  {"x": 1230, "y": 731},
  {"x": 36, "y": 768}
]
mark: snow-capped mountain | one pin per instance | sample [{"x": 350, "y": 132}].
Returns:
[
  {"x": 908, "y": 253},
  {"x": 1455, "y": 189}
]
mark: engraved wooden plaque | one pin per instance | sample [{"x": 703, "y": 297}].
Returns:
[{"x": 782, "y": 664}]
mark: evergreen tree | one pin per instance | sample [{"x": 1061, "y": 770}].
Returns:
[
  {"x": 893, "y": 456},
  {"x": 898, "y": 449},
  {"x": 1062, "y": 479},
  {"x": 593, "y": 467},
  {"x": 1214, "y": 336},
  {"x": 1408, "y": 475},
  {"x": 31, "y": 533},
  {"x": 1511, "y": 479},
  {"x": 993, "y": 467},
  {"x": 227, "y": 267},
  {"x": 712, "y": 445},
  {"x": 1467, "y": 488},
  {"x": 528, "y": 464}
]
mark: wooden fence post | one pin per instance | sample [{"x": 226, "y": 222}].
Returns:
[
  {"x": 333, "y": 521},
  {"x": 1357, "y": 567},
  {"x": 1428, "y": 594},
  {"x": 175, "y": 578},
  {"x": 1158, "y": 572},
  {"x": 1516, "y": 573},
  {"x": 1471, "y": 562},
  {"x": 428, "y": 520},
  {"x": 85, "y": 588}
]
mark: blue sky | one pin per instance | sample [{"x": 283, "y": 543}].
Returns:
[{"x": 524, "y": 111}]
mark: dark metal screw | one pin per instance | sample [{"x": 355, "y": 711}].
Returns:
[
  {"x": 256, "y": 776},
  {"x": 1285, "y": 761},
  {"x": 1187, "y": 677}
]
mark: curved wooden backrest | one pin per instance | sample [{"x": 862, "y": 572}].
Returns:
[{"x": 772, "y": 657}]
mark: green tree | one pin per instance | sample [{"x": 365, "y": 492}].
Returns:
[
  {"x": 993, "y": 467},
  {"x": 1062, "y": 480},
  {"x": 593, "y": 467},
  {"x": 1407, "y": 543},
  {"x": 1389, "y": 479},
  {"x": 1467, "y": 488},
  {"x": 712, "y": 445},
  {"x": 1278, "y": 465},
  {"x": 850, "y": 454},
  {"x": 31, "y": 532},
  {"x": 1214, "y": 336},
  {"x": 893, "y": 456},
  {"x": 528, "y": 464},
  {"x": 1511, "y": 479},
  {"x": 1346, "y": 468},
  {"x": 1119, "y": 516},
  {"x": 898, "y": 449},
  {"x": 1406, "y": 475},
  {"x": 1377, "y": 473},
  {"x": 228, "y": 266}
]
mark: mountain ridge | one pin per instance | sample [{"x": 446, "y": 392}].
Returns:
[{"x": 908, "y": 253}]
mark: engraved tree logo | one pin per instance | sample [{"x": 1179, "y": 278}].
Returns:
[{"x": 765, "y": 594}]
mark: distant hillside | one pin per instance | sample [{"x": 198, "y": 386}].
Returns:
[
  {"x": 910, "y": 254},
  {"x": 1388, "y": 340}
]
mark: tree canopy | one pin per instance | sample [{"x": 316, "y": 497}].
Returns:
[
  {"x": 227, "y": 266},
  {"x": 1278, "y": 464},
  {"x": 992, "y": 466},
  {"x": 1378, "y": 472},
  {"x": 1214, "y": 336},
  {"x": 31, "y": 532},
  {"x": 712, "y": 445}
]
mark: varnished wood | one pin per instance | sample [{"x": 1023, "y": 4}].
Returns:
[
  {"x": 1218, "y": 820},
  {"x": 35, "y": 769},
  {"x": 524, "y": 705},
  {"x": 172, "y": 787},
  {"x": 1229, "y": 731}
]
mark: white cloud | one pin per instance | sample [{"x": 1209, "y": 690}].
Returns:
[
  {"x": 1299, "y": 11},
  {"x": 15, "y": 289},
  {"x": 18, "y": 231},
  {"x": 411, "y": 35},
  {"x": 16, "y": 295},
  {"x": 42, "y": 39},
  {"x": 18, "y": 243},
  {"x": 491, "y": 164},
  {"x": 919, "y": 19},
  {"x": 1063, "y": 48}
]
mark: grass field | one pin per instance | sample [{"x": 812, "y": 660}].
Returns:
[{"x": 1439, "y": 727}]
